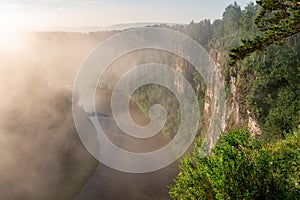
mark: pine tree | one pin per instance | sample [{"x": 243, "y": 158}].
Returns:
[{"x": 277, "y": 20}]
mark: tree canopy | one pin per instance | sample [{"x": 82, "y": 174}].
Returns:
[
  {"x": 277, "y": 20},
  {"x": 241, "y": 167}
]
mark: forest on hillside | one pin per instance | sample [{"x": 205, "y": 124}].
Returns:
[{"x": 258, "y": 48}]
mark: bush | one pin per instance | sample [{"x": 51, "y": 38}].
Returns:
[{"x": 241, "y": 167}]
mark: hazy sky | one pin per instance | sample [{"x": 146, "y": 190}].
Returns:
[{"x": 41, "y": 13}]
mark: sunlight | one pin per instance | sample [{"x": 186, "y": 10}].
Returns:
[
  {"x": 10, "y": 32},
  {"x": 11, "y": 41}
]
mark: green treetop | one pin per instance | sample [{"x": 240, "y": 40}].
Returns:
[{"x": 277, "y": 20}]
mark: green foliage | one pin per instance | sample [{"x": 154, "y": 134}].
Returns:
[
  {"x": 231, "y": 19},
  {"x": 277, "y": 19},
  {"x": 241, "y": 167},
  {"x": 151, "y": 94},
  {"x": 248, "y": 28},
  {"x": 275, "y": 95},
  {"x": 202, "y": 31},
  {"x": 267, "y": 83},
  {"x": 218, "y": 28}
]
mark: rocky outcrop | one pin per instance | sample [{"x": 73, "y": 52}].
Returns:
[
  {"x": 253, "y": 124},
  {"x": 236, "y": 113}
]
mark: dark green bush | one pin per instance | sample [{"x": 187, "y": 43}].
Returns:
[{"x": 241, "y": 167}]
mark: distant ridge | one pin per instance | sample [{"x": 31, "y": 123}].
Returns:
[{"x": 88, "y": 29}]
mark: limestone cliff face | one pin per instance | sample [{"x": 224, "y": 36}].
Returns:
[{"x": 236, "y": 113}]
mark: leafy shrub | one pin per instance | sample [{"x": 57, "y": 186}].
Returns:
[{"x": 241, "y": 167}]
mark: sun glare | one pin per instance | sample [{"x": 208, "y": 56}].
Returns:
[
  {"x": 10, "y": 32},
  {"x": 11, "y": 41}
]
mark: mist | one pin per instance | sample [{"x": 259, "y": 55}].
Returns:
[{"x": 41, "y": 154}]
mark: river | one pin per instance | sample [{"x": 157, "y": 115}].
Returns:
[{"x": 109, "y": 184}]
